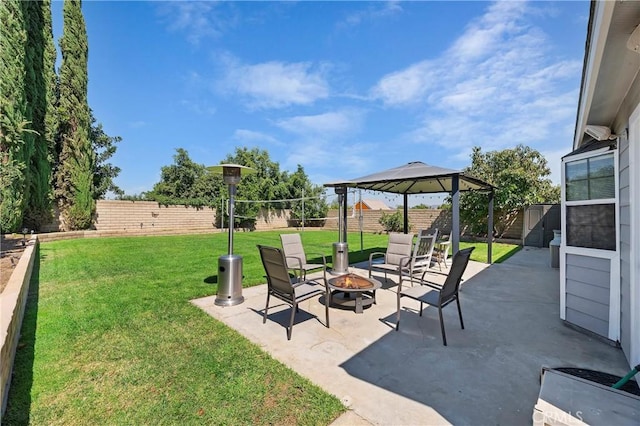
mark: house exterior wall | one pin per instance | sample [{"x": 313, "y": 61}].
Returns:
[
  {"x": 620, "y": 127},
  {"x": 587, "y": 292},
  {"x": 625, "y": 247}
]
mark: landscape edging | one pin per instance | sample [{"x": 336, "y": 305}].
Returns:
[{"x": 13, "y": 301}]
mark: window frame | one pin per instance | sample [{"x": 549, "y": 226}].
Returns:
[{"x": 601, "y": 201}]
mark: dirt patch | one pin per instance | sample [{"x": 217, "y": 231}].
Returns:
[{"x": 11, "y": 250}]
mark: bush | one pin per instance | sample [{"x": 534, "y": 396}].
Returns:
[{"x": 392, "y": 222}]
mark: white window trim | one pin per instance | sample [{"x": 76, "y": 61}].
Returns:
[
  {"x": 590, "y": 202},
  {"x": 634, "y": 253}
]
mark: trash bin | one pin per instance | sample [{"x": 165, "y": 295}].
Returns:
[
  {"x": 340, "y": 257},
  {"x": 554, "y": 248}
]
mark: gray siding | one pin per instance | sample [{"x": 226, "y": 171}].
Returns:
[
  {"x": 588, "y": 282},
  {"x": 621, "y": 123},
  {"x": 625, "y": 247}
]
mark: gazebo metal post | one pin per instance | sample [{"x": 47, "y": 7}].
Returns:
[
  {"x": 455, "y": 210},
  {"x": 490, "y": 228},
  {"x": 406, "y": 212}
]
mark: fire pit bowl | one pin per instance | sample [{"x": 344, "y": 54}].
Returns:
[{"x": 351, "y": 281}]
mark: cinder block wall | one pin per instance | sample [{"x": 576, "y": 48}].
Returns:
[
  {"x": 150, "y": 217},
  {"x": 418, "y": 219},
  {"x": 116, "y": 215}
]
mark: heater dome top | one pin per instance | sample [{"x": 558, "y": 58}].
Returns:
[
  {"x": 220, "y": 169},
  {"x": 231, "y": 172}
]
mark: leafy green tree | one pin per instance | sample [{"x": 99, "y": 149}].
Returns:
[
  {"x": 521, "y": 178},
  {"x": 15, "y": 136},
  {"x": 315, "y": 206},
  {"x": 267, "y": 183},
  {"x": 421, "y": 206},
  {"x": 186, "y": 182},
  {"x": 104, "y": 173},
  {"x": 183, "y": 182},
  {"x": 76, "y": 158}
]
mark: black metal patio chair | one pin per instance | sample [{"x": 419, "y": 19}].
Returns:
[
  {"x": 280, "y": 285},
  {"x": 439, "y": 295}
]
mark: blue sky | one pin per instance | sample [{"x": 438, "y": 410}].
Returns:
[{"x": 343, "y": 88}]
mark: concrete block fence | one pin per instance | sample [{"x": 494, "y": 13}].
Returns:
[{"x": 117, "y": 217}]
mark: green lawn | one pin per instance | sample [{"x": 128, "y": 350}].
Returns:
[{"x": 109, "y": 337}]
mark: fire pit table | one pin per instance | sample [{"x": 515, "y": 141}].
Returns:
[{"x": 357, "y": 291}]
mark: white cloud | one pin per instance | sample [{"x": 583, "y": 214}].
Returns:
[
  {"x": 333, "y": 123},
  {"x": 316, "y": 155},
  {"x": 406, "y": 86},
  {"x": 275, "y": 84},
  {"x": 496, "y": 86},
  {"x": 255, "y": 138},
  {"x": 375, "y": 10},
  {"x": 197, "y": 19}
]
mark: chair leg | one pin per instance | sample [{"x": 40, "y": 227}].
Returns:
[
  {"x": 444, "y": 337},
  {"x": 421, "y": 307},
  {"x": 398, "y": 314},
  {"x": 294, "y": 308},
  {"x": 460, "y": 313},
  {"x": 327, "y": 298},
  {"x": 266, "y": 308}
]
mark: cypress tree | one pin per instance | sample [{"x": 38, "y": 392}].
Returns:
[
  {"x": 74, "y": 177},
  {"x": 40, "y": 91},
  {"x": 14, "y": 123}
]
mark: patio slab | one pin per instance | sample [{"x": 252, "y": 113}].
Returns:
[{"x": 488, "y": 374}]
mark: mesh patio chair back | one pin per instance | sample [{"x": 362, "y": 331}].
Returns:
[
  {"x": 295, "y": 256},
  {"x": 399, "y": 247},
  {"x": 280, "y": 285},
  {"x": 439, "y": 295},
  {"x": 278, "y": 278},
  {"x": 458, "y": 266}
]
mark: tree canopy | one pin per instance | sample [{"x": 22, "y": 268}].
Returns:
[
  {"x": 521, "y": 177},
  {"x": 189, "y": 183},
  {"x": 50, "y": 144}
]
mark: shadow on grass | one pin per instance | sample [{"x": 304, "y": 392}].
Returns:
[
  {"x": 508, "y": 254},
  {"x": 213, "y": 279},
  {"x": 19, "y": 399}
]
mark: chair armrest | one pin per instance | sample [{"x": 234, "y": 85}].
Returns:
[
  {"x": 324, "y": 259},
  {"x": 429, "y": 283},
  {"x": 405, "y": 262},
  {"x": 442, "y": 245},
  {"x": 297, "y": 260},
  {"x": 375, "y": 254}
]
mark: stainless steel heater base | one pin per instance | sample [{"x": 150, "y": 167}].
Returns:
[{"x": 229, "y": 281}]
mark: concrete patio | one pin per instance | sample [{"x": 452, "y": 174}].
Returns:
[{"x": 488, "y": 374}]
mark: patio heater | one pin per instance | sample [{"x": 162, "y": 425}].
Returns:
[
  {"x": 340, "y": 249},
  {"x": 230, "y": 265}
]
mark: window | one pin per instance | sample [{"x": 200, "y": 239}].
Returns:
[
  {"x": 591, "y": 178},
  {"x": 592, "y": 226},
  {"x": 590, "y": 192}
]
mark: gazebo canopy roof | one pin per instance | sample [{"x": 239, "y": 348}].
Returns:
[{"x": 414, "y": 178}]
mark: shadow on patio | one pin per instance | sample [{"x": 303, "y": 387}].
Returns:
[{"x": 488, "y": 373}]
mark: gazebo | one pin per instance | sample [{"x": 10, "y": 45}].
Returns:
[{"x": 420, "y": 178}]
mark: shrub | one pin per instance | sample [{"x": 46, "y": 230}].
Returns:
[{"x": 393, "y": 222}]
